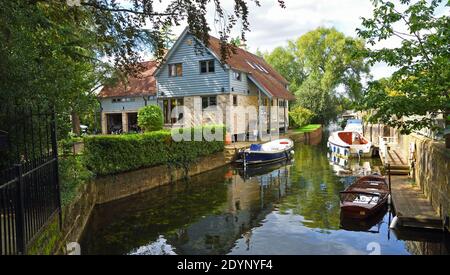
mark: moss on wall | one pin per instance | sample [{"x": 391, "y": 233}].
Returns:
[{"x": 48, "y": 240}]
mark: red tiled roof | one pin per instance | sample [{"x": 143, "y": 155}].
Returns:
[
  {"x": 271, "y": 80},
  {"x": 144, "y": 85}
]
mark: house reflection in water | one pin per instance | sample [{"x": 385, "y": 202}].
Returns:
[
  {"x": 204, "y": 216},
  {"x": 289, "y": 208}
]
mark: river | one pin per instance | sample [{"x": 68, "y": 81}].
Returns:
[{"x": 287, "y": 208}]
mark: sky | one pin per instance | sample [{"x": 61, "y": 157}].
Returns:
[{"x": 271, "y": 26}]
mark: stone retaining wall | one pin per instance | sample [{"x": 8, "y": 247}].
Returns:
[
  {"x": 105, "y": 189},
  {"x": 119, "y": 186},
  {"x": 431, "y": 164},
  {"x": 313, "y": 138}
]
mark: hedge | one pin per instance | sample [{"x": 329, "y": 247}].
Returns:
[{"x": 112, "y": 154}]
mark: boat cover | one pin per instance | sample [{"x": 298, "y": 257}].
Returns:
[{"x": 255, "y": 147}]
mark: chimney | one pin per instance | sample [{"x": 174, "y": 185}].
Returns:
[{"x": 243, "y": 45}]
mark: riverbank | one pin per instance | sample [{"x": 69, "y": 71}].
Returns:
[
  {"x": 104, "y": 189},
  {"x": 284, "y": 208},
  {"x": 109, "y": 188}
]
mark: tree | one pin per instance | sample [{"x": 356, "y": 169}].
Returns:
[
  {"x": 56, "y": 54},
  {"x": 285, "y": 62},
  {"x": 300, "y": 116},
  {"x": 321, "y": 102},
  {"x": 317, "y": 64},
  {"x": 150, "y": 118},
  {"x": 421, "y": 83}
]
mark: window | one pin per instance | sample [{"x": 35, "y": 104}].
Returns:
[
  {"x": 235, "y": 100},
  {"x": 237, "y": 76},
  {"x": 207, "y": 66},
  {"x": 123, "y": 99},
  {"x": 174, "y": 103},
  {"x": 208, "y": 101},
  {"x": 176, "y": 70},
  {"x": 168, "y": 108},
  {"x": 251, "y": 65}
]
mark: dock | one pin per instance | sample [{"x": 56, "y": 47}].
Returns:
[
  {"x": 397, "y": 162},
  {"x": 411, "y": 206}
]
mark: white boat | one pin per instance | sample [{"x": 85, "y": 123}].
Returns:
[
  {"x": 347, "y": 144},
  {"x": 354, "y": 125}
]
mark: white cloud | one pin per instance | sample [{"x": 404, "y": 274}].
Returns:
[{"x": 271, "y": 26}]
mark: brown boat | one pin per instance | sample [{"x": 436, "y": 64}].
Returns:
[{"x": 365, "y": 197}]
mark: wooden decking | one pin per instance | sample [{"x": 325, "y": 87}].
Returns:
[
  {"x": 411, "y": 206},
  {"x": 398, "y": 163}
]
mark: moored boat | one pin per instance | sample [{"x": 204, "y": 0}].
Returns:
[
  {"x": 346, "y": 144},
  {"x": 354, "y": 125},
  {"x": 269, "y": 152},
  {"x": 365, "y": 197}
]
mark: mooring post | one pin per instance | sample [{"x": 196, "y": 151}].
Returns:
[{"x": 389, "y": 175}]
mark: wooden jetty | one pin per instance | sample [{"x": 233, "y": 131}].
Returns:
[
  {"x": 391, "y": 155},
  {"x": 411, "y": 206}
]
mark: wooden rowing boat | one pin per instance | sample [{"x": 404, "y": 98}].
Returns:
[{"x": 365, "y": 197}]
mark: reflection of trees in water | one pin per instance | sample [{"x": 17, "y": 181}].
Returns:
[
  {"x": 195, "y": 217},
  {"x": 218, "y": 233},
  {"x": 315, "y": 189},
  {"x": 121, "y": 226}
]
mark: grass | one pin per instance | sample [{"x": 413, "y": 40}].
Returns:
[{"x": 307, "y": 128}]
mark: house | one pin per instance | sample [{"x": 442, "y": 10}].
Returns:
[
  {"x": 121, "y": 103},
  {"x": 194, "y": 76},
  {"x": 246, "y": 94}
]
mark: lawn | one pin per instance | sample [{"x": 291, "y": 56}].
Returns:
[{"x": 307, "y": 128}]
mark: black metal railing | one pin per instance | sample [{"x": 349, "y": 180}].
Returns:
[{"x": 29, "y": 183}]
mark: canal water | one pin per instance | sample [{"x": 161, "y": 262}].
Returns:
[{"x": 286, "y": 208}]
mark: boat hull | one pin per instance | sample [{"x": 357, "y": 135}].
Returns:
[
  {"x": 359, "y": 212},
  {"x": 255, "y": 158},
  {"x": 344, "y": 150},
  {"x": 365, "y": 197}
]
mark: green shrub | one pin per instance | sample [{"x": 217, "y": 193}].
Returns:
[
  {"x": 119, "y": 153},
  {"x": 150, "y": 118},
  {"x": 300, "y": 116},
  {"x": 66, "y": 145},
  {"x": 73, "y": 174}
]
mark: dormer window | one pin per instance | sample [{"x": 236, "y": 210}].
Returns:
[
  {"x": 207, "y": 66},
  {"x": 176, "y": 70},
  {"x": 250, "y": 64}
]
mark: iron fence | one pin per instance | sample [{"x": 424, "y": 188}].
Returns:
[{"x": 29, "y": 182}]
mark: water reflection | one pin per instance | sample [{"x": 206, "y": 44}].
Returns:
[
  {"x": 345, "y": 167},
  {"x": 285, "y": 208}
]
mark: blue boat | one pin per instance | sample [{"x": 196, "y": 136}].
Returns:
[{"x": 269, "y": 152}]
